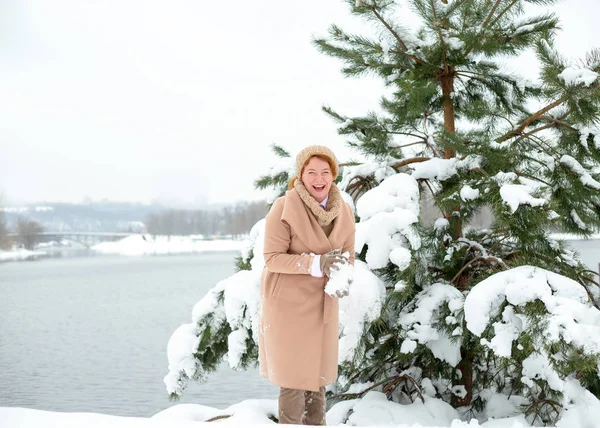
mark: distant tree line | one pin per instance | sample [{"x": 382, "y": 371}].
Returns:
[
  {"x": 232, "y": 220},
  {"x": 27, "y": 233}
]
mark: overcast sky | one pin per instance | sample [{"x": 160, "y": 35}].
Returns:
[{"x": 176, "y": 100}]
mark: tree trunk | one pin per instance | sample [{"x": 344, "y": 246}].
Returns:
[
  {"x": 466, "y": 369},
  {"x": 446, "y": 78}
]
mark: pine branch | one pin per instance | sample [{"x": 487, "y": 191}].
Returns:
[
  {"x": 396, "y": 36},
  {"x": 487, "y": 260},
  {"x": 506, "y": 9},
  {"x": 404, "y": 133},
  {"x": 216, "y": 418},
  {"x": 558, "y": 122},
  {"x": 529, "y": 120},
  {"x": 409, "y": 161},
  {"x": 531, "y": 177},
  {"x": 412, "y": 144},
  {"x": 391, "y": 30},
  {"x": 437, "y": 25},
  {"x": 468, "y": 51},
  {"x": 389, "y": 382},
  {"x": 489, "y": 17}
]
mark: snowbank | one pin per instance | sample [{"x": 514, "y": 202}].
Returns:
[
  {"x": 6, "y": 256},
  {"x": 371, "y": 412},
  {"x": 137, "y": 245}
]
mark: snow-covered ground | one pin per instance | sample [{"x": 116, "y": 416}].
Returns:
[
  {"x": 137, "y": 245},
  {"x": 373, "y": 411}
]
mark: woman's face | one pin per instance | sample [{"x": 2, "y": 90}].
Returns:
[{"x": 317, "y": 178}]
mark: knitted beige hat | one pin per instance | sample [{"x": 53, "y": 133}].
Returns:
[{"x": 321, "y": 151}]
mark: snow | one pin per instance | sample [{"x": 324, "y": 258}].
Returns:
[
  {"x": 573, "y": 237},
  {"x": 18, "y": 210},
  {"x": 380, "y": 170},
  {"x": 397, "y": 191},
  {"x": 373, "y": 411},
  {"x": 575, "y": 217},
  {"x": 388, "y": 216},
  {"x": 515, "y": 195},
  {"x": 570, "y": 317},
  {"x": 401, "y": 257},
  {"x": 500, "y": 405},
  {"x": 504, "y": 178},
  {"x": 362, "y": 305},
  {"x": 467, "y": 193},
  {"x": 348, "y": 199},
  {"x": 235, "y": 301},
  {"x": 338, "y": 414},
  {"x": 582, "y": 408},
  {"x": 236, "y": 346},
  {"x": 576, "y": 167},
  {"x": 455, "y": 43},
  {"x": 578, "y": 76},
  {"x": 138, "y": 245},
  {"x": 419, "y": 317},
  {"x": 443, "y": 169},
  {"x": 20, "y": 254},
  {"x": 385, "y": 232},
  {"x": 585, "y": 132},
  {"x": 537, "y": 366},
  {"x": 524, "y": 29},
  {"x": 441, "y": 224},
  {"x": 180, "y": 349},
  {"x": 340, "y": 279}
]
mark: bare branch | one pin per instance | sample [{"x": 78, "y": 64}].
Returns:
[
  {"x": 408, "y": 161},
  {"x": 489, "y": 17}
]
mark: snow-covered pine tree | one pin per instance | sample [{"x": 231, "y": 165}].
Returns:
[{"x": 472, "y": 317}]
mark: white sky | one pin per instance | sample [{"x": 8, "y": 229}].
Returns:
[{"x": 177, "y": 100}]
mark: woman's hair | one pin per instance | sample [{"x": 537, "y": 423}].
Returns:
[{"x": 324, "y": 158}]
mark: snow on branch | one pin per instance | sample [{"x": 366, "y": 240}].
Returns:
[
  {"x": 419, "y": 319},
  {"x": 515, "y": 195},
  {"x": 231, "y": 307},
  {"x": 569, "y": 318},
  {"x": 578, "y": 76},
  {"x": 397, "y": 191},
  {"x": 362, "y": 306},
  {"x": 379, "y": 170},
  {"x": 443, "y": 169},
  {"x": 388, "y": 214},
  {"x": 576, "y": 167},
  {"x": 586, "y": 132}
]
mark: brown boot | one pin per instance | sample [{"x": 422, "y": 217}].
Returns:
[
  {"x": 291, "y": 406},
  {"x": 315, "y": 407}
]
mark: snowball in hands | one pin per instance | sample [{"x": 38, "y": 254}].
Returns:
[{"x": 340, "y": 279}]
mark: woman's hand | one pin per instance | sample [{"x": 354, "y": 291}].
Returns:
[{"x": 328, "y": 261}]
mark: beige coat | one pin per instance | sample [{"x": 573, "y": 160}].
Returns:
[{"x": 298, "y": 336}]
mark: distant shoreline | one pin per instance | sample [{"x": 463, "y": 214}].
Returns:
[
  {"x": 145, "y": 244},
  {"x": 135, "y": 245}
]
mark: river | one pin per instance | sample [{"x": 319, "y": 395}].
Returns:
[{"x": 89, "y": 334}]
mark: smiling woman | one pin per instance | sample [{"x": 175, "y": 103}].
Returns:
[{"x": 307, "y": 232}]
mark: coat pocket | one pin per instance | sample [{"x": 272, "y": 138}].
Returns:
[
  {"x": 276, "y": 286},
  {"x": 288, "y": 291}
]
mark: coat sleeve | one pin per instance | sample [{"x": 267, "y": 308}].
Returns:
[{"x": 277, "y": 245}]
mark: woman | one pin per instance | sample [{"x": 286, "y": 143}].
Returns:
[{"x": 306, "y": 232}]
